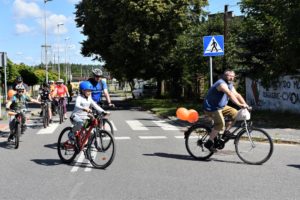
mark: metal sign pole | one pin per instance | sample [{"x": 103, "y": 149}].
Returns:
[{"x": 211, "y": 71}]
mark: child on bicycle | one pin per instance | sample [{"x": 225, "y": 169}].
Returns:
[
  {"x": 45, "y": 97},
  {"x": 17, "y": 104},
  {"x": 82, "y": 107}
]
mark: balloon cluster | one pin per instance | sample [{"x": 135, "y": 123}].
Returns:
[
  {"x": 187, "y": 115},
  {"x": 10, "y": 93}
]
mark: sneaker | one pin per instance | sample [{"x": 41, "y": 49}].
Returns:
[
  {"x": 71, "y": 137},
  {"x": 10, "y": 138},
  {"x": 227, "y": 135},
  {"x": 50, "y": 121},
  {"x": 210, "y": 146}
]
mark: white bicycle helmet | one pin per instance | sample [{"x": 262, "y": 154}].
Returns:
[
  {"x": 97, "y": 72},
  {"x": 60, "y": 81},
  {"x": 20, "y": 87}
]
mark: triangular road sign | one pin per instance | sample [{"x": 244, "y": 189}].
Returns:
[{"x": 213, "y": 46}]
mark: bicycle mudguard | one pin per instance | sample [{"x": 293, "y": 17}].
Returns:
[{"x": 197, "y": 125}]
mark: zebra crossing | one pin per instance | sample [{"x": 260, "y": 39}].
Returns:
[{"x": 133, "y": 125}]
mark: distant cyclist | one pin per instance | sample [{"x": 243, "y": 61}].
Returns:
[
  {"x": 70, "y": 90},
  {"x": 61, "y": 91},
  {"x": 18, "y": 103},
  {"x": 99, "y": 87},
  {"x": 44, "y": 96}
]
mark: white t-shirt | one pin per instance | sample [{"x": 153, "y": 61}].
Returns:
[{"x": 83, "y": 102}]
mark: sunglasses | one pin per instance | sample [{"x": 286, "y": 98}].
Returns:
[{"x": 20, "y": 91}]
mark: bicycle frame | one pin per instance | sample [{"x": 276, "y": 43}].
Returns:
[{"x": 84, "y": 133}]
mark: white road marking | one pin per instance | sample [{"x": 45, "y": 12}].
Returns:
[
  {"x": 166, "y": 126},
  {"x": 122, "y": 138},
  {"x": 136, "y": 125},
  {"x": 153, "y": 137},
  {"x": 78, "y": 162},
  {"x": 49, "y": 130},
  {"x": 179, "y": 137}
]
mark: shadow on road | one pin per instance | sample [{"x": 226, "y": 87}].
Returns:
[
  {"x": 296, "y": 166},
  {"x": 173, "y": 156},
  {"x": 47, "y": 162}
]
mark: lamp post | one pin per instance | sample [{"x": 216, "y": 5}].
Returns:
[
  {"x": 58, "y": 25},
  {"x": 46, "y": 61},
  {"x": 66, "y": 47}
]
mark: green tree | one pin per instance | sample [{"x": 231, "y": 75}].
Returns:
[
  {"x": 270, "y": 38},
  {"x": 135, "y": 38}
]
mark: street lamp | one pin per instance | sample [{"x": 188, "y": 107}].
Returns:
[
  {"x": 66, "y": 46},
  {"x": 58, "y": 25},
  {"x": 46, "y": 61}
]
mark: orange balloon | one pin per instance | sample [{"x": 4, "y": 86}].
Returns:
[
  {"x": 193, "y": 116},
  {"x": 182, "y": 113},
  {"x": 10, "y": 93}
]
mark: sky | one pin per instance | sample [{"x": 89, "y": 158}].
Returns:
[{"x": 22, "y": 30}]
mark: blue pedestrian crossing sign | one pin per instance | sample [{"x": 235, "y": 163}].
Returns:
[{"x": 213, "y": 45}]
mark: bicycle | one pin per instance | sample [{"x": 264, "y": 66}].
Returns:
[
  {"x": 45, "y": 111},
  {"x": 18, "y": 129},
  {"x": 60, "y": 109},
  {"x": 252, "y": 145},
  {"x": 97, "y": 144}
]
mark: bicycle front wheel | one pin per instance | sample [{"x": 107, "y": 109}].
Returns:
[
  {"x": 101, "y": 149},
  {"x": 61, "y": 114},
  {"x": 65, "y": 148},
  {"x": 17, "y": 135},
  {"x": 254, "y": 148},
  {"x": 195, "y": 138},
  {"x": 44, "y": 117}
]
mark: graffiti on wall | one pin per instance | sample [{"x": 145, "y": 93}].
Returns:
[{"x": 285, "y": 96}]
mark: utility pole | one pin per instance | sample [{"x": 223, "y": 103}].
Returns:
[{"x": 225, "y": 34}]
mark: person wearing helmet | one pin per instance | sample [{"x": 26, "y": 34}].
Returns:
[
  {"x": 82, "y": 107},
  {"x": 99, "y": 87},
  {"x": 45, "y": 97},
  {"x": 61, "y": 91},
  {"x": 16, "y": 104}
]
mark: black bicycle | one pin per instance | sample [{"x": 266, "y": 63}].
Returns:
[
  {"x": 60, "y": 109},
  {"x": 45, "y": 111},
  {"x": 18, "y": 127},
  {"x": 252, "y": 145}
]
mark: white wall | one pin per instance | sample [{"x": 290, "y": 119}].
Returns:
[{"x": 286, "y": 97}]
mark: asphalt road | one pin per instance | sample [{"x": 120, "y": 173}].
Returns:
[{"x": 151, "y": 163}]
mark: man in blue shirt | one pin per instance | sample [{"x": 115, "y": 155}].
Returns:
[
  {"x": 99, "y": 87},
  {"x": 215, "y": 105}
]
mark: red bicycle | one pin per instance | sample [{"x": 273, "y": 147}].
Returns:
[{"x": 97, "y": 144}]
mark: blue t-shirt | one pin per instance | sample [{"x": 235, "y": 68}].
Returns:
[
  {"x": 216, "y": 100},
  {"x": 98, "y": 88}
]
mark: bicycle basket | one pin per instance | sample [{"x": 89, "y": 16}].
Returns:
[{"x": 243, "y": 114}]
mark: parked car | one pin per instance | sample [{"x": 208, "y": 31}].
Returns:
[{"x": 146, "y": 90}]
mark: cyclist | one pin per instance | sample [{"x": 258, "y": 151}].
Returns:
[
  {"x": 82, "y": 108},
  {"x": 17, "y": 103},
  {"x": 61, "y": 91},
  {"x": 70, "y": 89},
  {"x": 99, "y": 87},
  {"x": 44, "y": 96},
  {"x": 52, "y": 87},
  {"x": 215, "y": 105}
]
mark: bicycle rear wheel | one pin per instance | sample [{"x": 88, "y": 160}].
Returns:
[
  {"x": 45, "y": 114},
  {"x": 107, "y": 125},
  {"x": 65, "y": 148},
  {"x": 254, "y": 149},
  {"x": 61, "y": 114},
  {"x": 101, "y": 149},
  {"x": 195, "y": 138}
]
